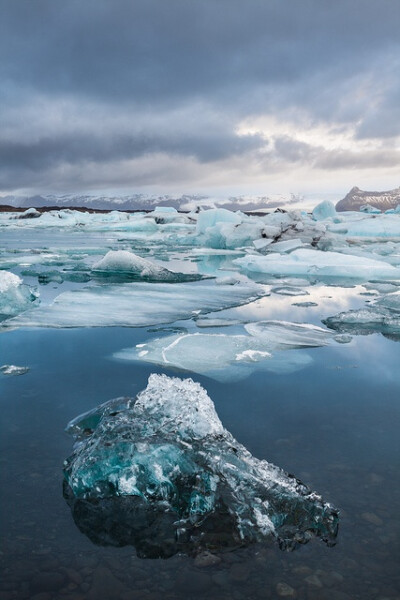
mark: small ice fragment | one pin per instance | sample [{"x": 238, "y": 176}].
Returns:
[
  {"x": 305, "y": 304},
  {"x": 289, "y": 291},
  {"x": 286, "y": 245},
  {"x": 226, "y": 280},
  {"x": 344, "y": 338},
  {"x": 262, "y": 243},
  {"x": 13, "y": 370}
]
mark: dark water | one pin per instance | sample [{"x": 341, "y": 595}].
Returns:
[{"x": 335, "y": 425}]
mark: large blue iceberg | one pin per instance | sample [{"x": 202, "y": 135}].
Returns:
[{"x": 161, "y": 473}]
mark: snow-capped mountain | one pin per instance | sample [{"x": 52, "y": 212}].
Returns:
[
  {"x": 357, "y": 198},
  {"x": 185, "y": 202}
]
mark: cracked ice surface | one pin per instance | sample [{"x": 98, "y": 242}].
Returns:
[{"x": 161, "y": 473}]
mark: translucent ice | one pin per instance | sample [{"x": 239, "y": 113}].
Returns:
[
  {"x": 15, "y": 297},
  {"x": 122, "y": 264},
  {"x": 233, "y": 357},
  {"x": 136, "y": 304},
  {"x": 209, "y": 218},
  {"x": 323, "y": 264},
  {"x": 161, "y": 473},
  {"x": 324, "y": 210},
  {"x": 365, "y": 321}
]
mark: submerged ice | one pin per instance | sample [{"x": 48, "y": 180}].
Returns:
[
  {"x": 234, "y": 356},
  {"x": 161, "y": 473}
]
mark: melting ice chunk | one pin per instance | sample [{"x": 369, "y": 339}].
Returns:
[
  {"x": 136, "y": 304},
  {"x": 124, "y": 265},
  {"x": 161, "y": 473},
  {"x": 15, "y": 297}
]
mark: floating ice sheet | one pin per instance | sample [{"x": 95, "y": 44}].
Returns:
[
  {"x": 319, "y": 264},
  {"x": 161, "y": 473},
  {"x": 136, "y": 304}
]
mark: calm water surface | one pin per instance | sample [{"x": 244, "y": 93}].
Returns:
[{"x": 334, "y": 424}]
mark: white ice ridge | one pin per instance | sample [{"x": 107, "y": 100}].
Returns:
[
  {"x": 15, "y": 297},
  {"x": 314, "y": 262},
  {"x": 233, "y": 357},
  {"x": 136, "y": 304}
]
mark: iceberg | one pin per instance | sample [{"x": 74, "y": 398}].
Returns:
[
  {"x": 209, "y": 218},
  {"x": 324, "y": 210},
  {"x": 136, "y": 304},
  {"x": 124, "y": 265},
  {"x": 318, "y": 264},
  {"x": 15, "y": 297},
  {"x": 233, "y": 357},
  {"x": 161, "y": 473}
]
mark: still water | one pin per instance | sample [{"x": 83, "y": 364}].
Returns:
[{"x": 333, "y": 424}]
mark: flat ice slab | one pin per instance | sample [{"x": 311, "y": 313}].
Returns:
[
  {"x": 314, "y": 262},
  {"x": 136, "y": 304}
]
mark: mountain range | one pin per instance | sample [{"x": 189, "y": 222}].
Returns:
[{"x": 357, "y": 198}]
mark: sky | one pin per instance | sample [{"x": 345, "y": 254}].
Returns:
[{"x": 199, "y": 96}]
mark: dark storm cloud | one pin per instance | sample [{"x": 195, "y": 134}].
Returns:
[{"x": 210, "y": 62}]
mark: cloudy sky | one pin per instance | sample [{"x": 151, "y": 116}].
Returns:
[{"x": 212, "y": 96}]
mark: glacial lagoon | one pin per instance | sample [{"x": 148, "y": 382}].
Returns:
[{"x": 289, "y": 323}]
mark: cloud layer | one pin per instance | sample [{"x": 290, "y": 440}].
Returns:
[{"x": 210, "y": 94}]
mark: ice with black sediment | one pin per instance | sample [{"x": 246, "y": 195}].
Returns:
[{"x": 161, "y": 473}]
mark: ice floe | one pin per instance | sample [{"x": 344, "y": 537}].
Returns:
[
  {"x": 161, "y": 473},
  {"x": 319, "y": 264},
  {"x": 136, "y": 304}
]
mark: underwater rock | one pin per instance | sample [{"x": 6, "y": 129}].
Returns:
[{"x": 161, "y": 473}]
